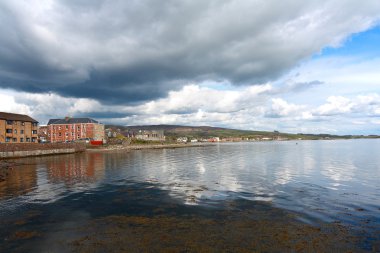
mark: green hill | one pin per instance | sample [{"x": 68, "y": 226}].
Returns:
[{"x": 175, "y": 131}]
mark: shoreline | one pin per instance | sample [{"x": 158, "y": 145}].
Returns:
[
  {"x": 15, "y": 152},
  {"x": 147, "y": 146}
]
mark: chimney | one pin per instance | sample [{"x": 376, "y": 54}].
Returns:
[{"x": 67, "y": 118}]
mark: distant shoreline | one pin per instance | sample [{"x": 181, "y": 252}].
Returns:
[
  {"x": 131, "y": 147},
  {"x": 147, "y": 146}
]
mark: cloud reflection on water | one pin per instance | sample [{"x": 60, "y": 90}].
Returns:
[{"x": 300, "y": 176}]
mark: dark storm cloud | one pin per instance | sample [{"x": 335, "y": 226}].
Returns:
[
  {"x": 115, "y": 88},
  {"x": 133, "y": 51},
  {"x": 297, "y": 87},
  {"x": 104, "y": 115},
  {"x": 183, "y": 111},
  {"x": 302, "y": 86}
]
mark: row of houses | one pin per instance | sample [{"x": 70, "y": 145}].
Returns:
[
  {"x": 19, "y": 128},
  {"x": 185, "y": 139},
  {"x": 147, "y": 135},
  {"x": 230, "y": 139}
]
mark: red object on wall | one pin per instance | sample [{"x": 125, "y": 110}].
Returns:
[{"x": 96, "y": 143}]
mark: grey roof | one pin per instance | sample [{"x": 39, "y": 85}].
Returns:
[
  {"x": 71, "y": 121},
  {"x": 51, "y": 121},
  {"x": 18, "y": 117}
]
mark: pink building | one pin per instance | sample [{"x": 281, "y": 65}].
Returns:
[{"x": 72, "y": 129}]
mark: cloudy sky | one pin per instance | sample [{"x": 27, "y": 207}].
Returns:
[{"x": 293, "y": 66}]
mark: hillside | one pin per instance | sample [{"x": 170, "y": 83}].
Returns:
[
  {"x": 195, "y": 131},
  {"x": 174, "y": 131}
]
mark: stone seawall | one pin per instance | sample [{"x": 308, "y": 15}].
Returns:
[{"x": 37, "y": 149}]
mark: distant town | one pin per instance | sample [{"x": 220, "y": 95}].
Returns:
[{"x": 19, "y": 128}]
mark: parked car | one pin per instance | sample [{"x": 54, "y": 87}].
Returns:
[{"x": 84, "y": 140}]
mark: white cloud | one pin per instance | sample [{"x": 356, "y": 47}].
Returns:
[
  {"x": 194, "y": 98},
  {"x": 281, "y": 108},
  {"x": 8, "y": 103},
  {"x": 247, "y": 108},
  {"x": 335, "y": 105},
  {"x": 53, "y": 105},
  {"x": 362, "y": 105},
  {"x": 45, "y": 106}
]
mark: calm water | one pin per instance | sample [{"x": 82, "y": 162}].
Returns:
[{"x": 322, "y": 181}]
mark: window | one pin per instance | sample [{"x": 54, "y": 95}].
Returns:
[
  {"x": 15, "y": 131},
  {"x": 14, "y": 139},
  {"x": 9, "y": 131},
  {"x": 7, "y": 139},
  {"x": 49, "y": 135},
  {"x": 78, "y": 128},
  {"x": 35, "y": 124},
  {"x": 34, "y": 131},
  {"x": 67, "y": 127},
  {"x": 21, "y": 139},
  {"x": 27, "y": 139},
  {"x": 78, "y": 136},
  {"x": 34, "y": 139},
  {"x": 66, "y": 134},
  {"x": 59, "y": 134},
  {"x": 9, "y": 122},
  {"x": 59, "y": 128},
  {"x": 23, "y": 123},
  {"x": 72, "y": 134},
  {"x": 21, "y": 131}
]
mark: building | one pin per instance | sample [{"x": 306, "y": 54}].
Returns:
[
  {"x": 150, "y": 135},
  {"x": 213, "y": 139},
  {"x": 182, "y": 139},
  {"x": 42, "y": 134},
  {"x": 17, "y": 128},
  {"x": 232, "y": 139},
  {"x": 72, "y": 129}
]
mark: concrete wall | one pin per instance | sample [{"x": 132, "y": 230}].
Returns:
[{"x": 37, "y": 149}]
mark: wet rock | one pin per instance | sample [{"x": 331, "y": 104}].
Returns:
[
  {"x": 24, "y": 235},
  {"x": 241, "y": 232}
]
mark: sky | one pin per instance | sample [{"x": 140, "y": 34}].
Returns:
[{"x": 290, "y": 66}]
